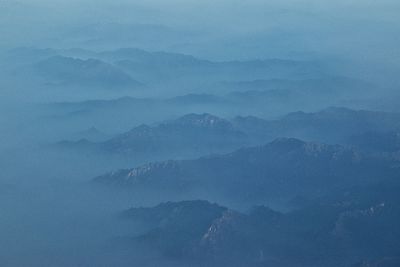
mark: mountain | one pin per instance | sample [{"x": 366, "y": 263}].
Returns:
[
  {"x": 188, "y": 136},
  {"x": 174, "y": 225},
  {"x": 146, "y": 58},
  {"x": 27, "y": 55},
  {"x": 183, "y": 69},
  {"x": 268, "y": 172},
  {"x": 128, "y": 103},
  {"x": 164, "y": 70},
  {"x": 340, "y": 229},
  {"x": 331, "y": 125},
  {"x": 198, "y": 99},
  {"x": 192, "y": 134},
  {"x": 273, "y": 88},
  {"x": 93, "y": 134},
  {"x": 89, "y": 72},
  {"x": 301, "y": 94},
  {"x": 377, "y": 141},
  {"x": 111, "y": 104}
]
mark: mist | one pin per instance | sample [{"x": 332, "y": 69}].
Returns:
[{"x": 198, "y": 133}]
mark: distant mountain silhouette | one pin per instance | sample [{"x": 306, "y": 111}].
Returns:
[{"x": 89, "y": 72}]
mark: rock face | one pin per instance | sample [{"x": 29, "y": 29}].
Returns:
[
  {"x": 176, "y": 228},
  {"x": 338, "y": 230},
  {"x": 283, "y": 168}
]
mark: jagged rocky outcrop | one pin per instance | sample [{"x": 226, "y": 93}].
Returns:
[
  {"x": 355, "y": 228},
  {"x": 194, "y": 135},
  {"x": 283, "y": 168},
  {"x": 191, "y": 135},
  {"x": 175, "y": 227}
]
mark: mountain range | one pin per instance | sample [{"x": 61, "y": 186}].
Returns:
[
  {"x": 356, "y": 227},
  {"x": 258, "y": 174},
  {"x": 200, "y": 134},
  {"x": 132, "y": 67},
  {"x": 89, "y": 72}
]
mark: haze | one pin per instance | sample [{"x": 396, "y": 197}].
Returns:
[{"x": 199, "y": 133}]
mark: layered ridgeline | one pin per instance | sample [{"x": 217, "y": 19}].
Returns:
[
  {"x": 280, "y": 170},
  {"x": 354, "y": 228},
  {"x": 260, "y": 86},
  {"x": 65, "y": 71},
  {"x": 187, "y": 136},
  {"x": 171, "y": 68},
  {"x": 275, "y": 99},
  {"x": 200, "y": 134}
]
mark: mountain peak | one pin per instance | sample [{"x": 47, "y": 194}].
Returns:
[
  {"x": 92, "y": 130},
  {"x": 203, "y": 120},
  {"x": 287, "y": 142},
  {"x": 338, "y": 110}
]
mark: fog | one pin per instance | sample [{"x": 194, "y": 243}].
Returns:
[{"x": 173, "y": 100}]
